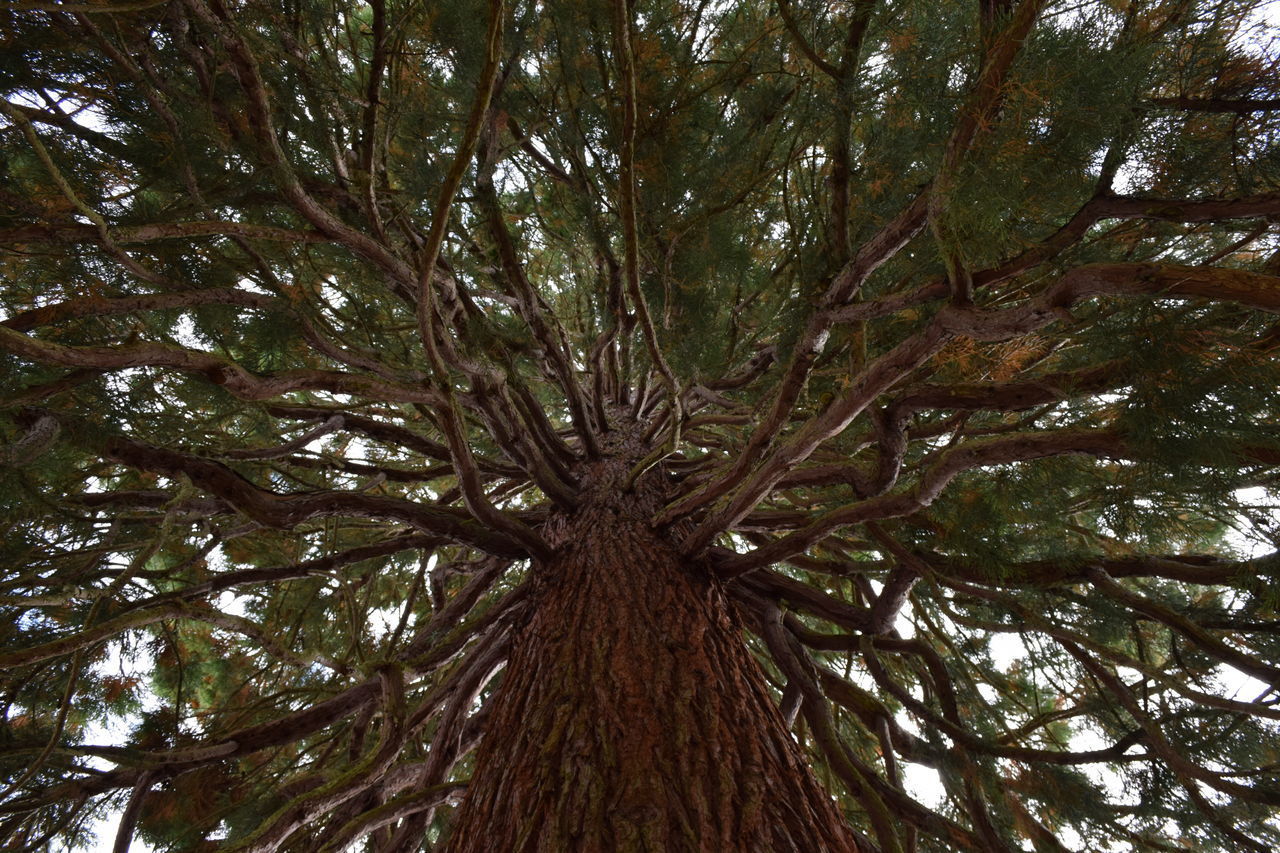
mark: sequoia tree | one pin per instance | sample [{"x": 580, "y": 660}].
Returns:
[{"x": 557, "y": 425}]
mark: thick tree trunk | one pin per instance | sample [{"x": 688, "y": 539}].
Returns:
[{"x": 632, "y": 717}]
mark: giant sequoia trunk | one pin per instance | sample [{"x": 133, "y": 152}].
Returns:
[{"x": 632, "y": 717}]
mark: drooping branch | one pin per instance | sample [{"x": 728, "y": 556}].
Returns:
[
  {"x": 127, "y": 234},
  {"x": 628, "y": 188},
  {"x": 447, "y": 744},
  {"x": 532, "y": 310},
  {"x": 1239, "y": 106},
  {"x": 1189, "y": 773},
  {"x": 877, "y": 378},
  {"x": 393, "y": 810},
  {"x": 286, "y": 729},
  {"x": 271, "y": 150},
  {"x": 977, "y": 114},
  {"x": 809, "y": 346},
  {"x": 1034, "y": 619},
  {"x": 369, "y": 120},
  {"x": 1202, "y": 570},
  {"x": 873, "y": 792},
  {"x": 94, "y": 306},
  {"x": 129, "y": 817},
  {"x": 1101, "y": 207},
  {"x": 303, "y": 809},
  {"x": 224, "y": 372},
  {"x": 284, "y": 511},
  {"x": 1014, "y": 395},
  {"x": 393, "y": 434},
  {"x": 793, "y": 27},
  {"x": 1251, "y": 289},
  {"x": 430, "y": 333},
  {"x": 998, "y": 451},
  {"x": 1184, "y": 626},
  {"x": 317, "y": 567},
  {"x": 141, "y": 617}
]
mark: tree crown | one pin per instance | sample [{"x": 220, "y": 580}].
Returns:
[{"x": 941, "y": 335}]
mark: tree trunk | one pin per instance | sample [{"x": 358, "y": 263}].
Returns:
[{"x": 632, "y": 717}]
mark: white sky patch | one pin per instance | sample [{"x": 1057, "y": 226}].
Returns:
[
  {"x": 1085, "y": 738},
  {"x": 251, "y": 286},
  {"x": 923, "y": 784},
  {"x": 1240, "y": 686},
  {"x": 907, "y": 723},
  {"x": 184, "y": 332},
  {"x": 876, "y": 62},
  {"x": 1261, "y": 31},
  {"x": 83, "y": 114},
  {"x": 1068, "y": 836},
  {"x": 331, "y": 294},
  {"x": 384, "y": 620},
  {"x": 229, "y": 602},
  {"x": 1005, "y": 650},
  {"x": 903, "y": 623},
  {"x": 1127, "y": 180}
]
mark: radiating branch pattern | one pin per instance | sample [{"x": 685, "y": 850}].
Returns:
[{"x": 695, "y": 426}]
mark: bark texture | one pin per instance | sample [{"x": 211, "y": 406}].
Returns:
[{"x": 632, "y": 717}]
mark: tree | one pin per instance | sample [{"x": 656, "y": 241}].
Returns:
[{"x": 639, "y": 426}]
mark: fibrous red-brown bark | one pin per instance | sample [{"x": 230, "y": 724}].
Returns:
[{"x": 632, "y": 717}]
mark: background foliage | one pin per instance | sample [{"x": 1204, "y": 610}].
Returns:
[{"x": 951, "y": 326}]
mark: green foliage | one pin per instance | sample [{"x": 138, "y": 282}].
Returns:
[{"x": 227, "y": 407}]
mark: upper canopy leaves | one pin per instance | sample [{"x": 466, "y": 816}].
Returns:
[{"x": 944, "y": 331}]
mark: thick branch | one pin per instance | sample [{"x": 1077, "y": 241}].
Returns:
[
  {"x": 41, "y": 233},
  {"x": 284, "y": 511},
  {"x": 231, "y": 376},
  {"x": 999, "y": 451}
]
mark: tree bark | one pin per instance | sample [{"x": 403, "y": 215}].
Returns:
[{"x": 632, "y": 717}]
